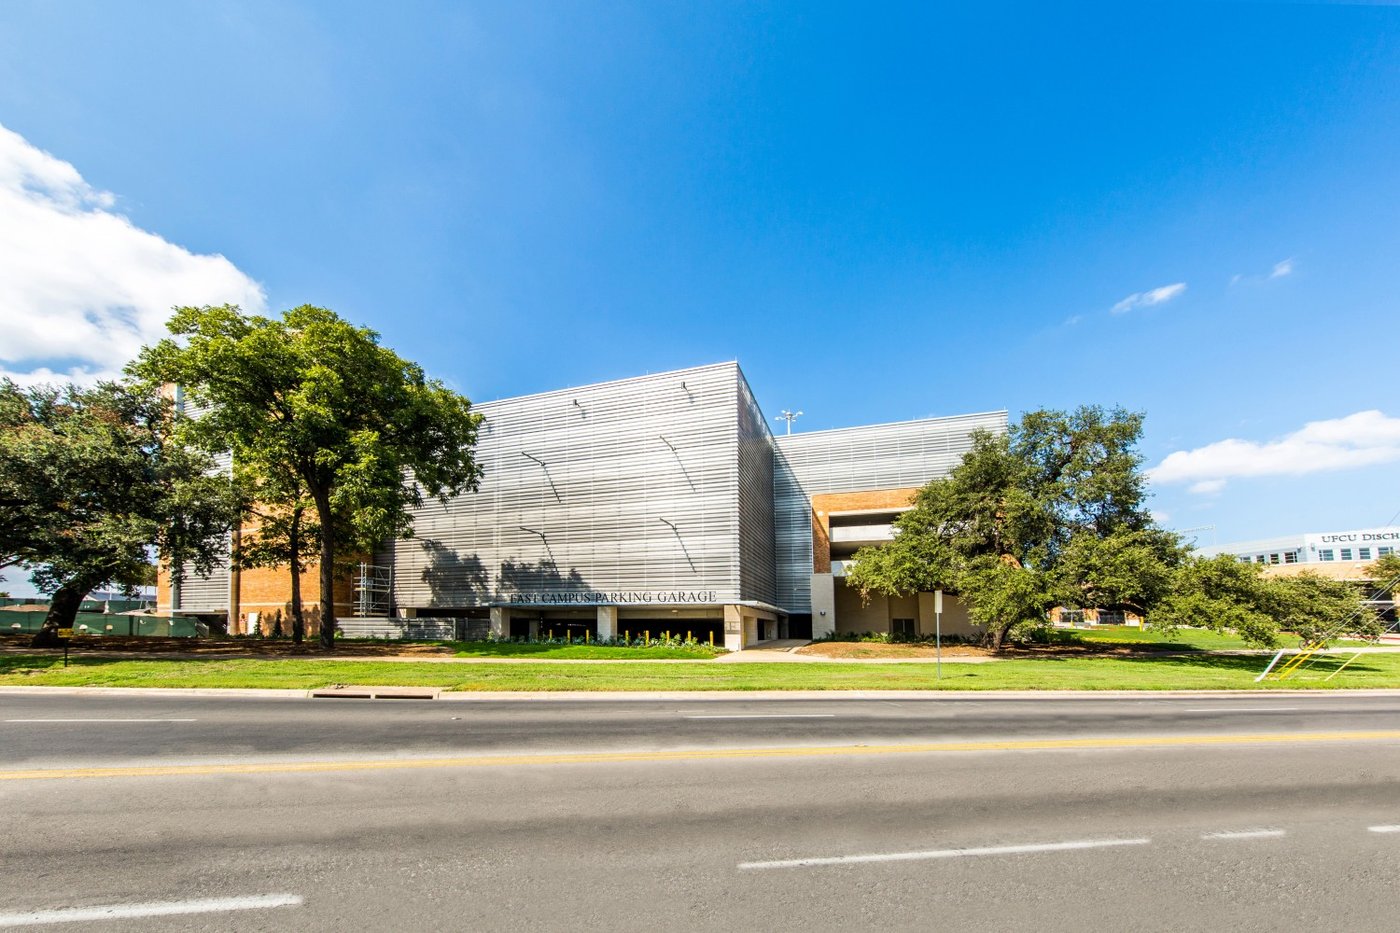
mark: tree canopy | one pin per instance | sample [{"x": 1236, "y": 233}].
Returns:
[
  {"x": 1052, "y": 513},
  {"x": 1222, "y": 593},
  {"x": 311, "y": 396},
  {"x": 92, "y": 484}
]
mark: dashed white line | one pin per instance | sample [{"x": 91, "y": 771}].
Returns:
[
  {"x": 1244, "y": 709},
  {"x": 1247, "y": 834},
  {"x": 1390, "y": 828},
  {"x": 766, "y": 716},
  {"x": 211, "y": 905},
  {"x": 101, "y": 720},
  {"x": 944, "y": 853}
]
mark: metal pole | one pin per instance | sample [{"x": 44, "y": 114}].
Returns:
[
  {"x": 1270, "y": 667},
  {"x": 938, "y": 632}
]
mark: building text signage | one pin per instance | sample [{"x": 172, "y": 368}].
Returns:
[
  {"x": 624, "y": 598},
  {"x": 1360, "y": 537}
]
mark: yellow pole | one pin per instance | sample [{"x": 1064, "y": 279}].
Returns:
[
  {"x": 586, "y": 635},
  {"x": 646, "y": 637},
  {"x": 712, "y": 638},
  {"x": 1339, "y": 670}
]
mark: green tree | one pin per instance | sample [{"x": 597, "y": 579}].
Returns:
[
  {"x": 1384, "y": 575},
  {"x": 364, "y": 431},
  {"x": 1050, "y": 513},
  {"x": 92, "y": 483},
  {"x": 286, "y": 533},
  {"x": 1320, "y": 609},
  {"x": 1224, "y": 594}
]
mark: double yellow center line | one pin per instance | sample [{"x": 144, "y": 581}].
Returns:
[{"x": 704, "y": 754}]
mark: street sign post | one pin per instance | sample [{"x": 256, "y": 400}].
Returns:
[{"x": 938, "y": 632}]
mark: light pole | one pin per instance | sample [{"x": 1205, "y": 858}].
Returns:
[{"x": 789, "y": 417}]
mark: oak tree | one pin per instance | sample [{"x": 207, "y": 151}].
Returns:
[
  {"x": 307, "y": 394},
  {"x": 93, "y": 483}
]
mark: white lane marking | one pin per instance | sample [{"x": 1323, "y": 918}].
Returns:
[
  {"x": 766, "y": 716},
  {"x": 101, "y": 720},
  {"x": 1244, "y": 709},
  {"x": 1384, "y": 829},
  {"x": 209, "y": 905},
  {"x": 946, "y": 853},
  {"x": 1247, "y": 834}
]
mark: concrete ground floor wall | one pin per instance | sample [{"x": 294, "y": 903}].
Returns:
[
  {"x": 733, "y": 627},
  {"x": 838, "y": 609}
]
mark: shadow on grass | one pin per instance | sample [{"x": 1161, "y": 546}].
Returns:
[{"x": 20, "y": 664}]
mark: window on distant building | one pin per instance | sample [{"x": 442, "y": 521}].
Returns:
[
  {"x": 1324, "y": 554},
  {"x": 1111, "y": 617},
  {"x": 1382, "y": 551},
  {"x": 1290, "y": 557},
  {"x": 1273, "y": 558},
  {"x": 1346, "y": 553},
  {"x": 1364, "y": 554},
  {"x": 902, "y": 628}
]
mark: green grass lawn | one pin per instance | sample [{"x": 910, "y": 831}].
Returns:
[
  {"x": 1186, "y": 639},
  {"x": 1183, "y": 672}
]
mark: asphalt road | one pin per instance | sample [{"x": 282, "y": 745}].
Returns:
[{"x": 1246, "y": 812}]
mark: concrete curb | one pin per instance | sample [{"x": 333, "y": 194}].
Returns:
[{"x": 726, "y": 695}]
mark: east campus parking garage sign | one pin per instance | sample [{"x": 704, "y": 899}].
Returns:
[{"x": 621, "y": 598}]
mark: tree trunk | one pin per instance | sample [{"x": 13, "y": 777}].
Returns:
[
  {"x": 999, "y": 636},
  {"x": 294, "y": 551},
  {"x": 323, "y": 514},
  {"x": 63, "y": 610}
]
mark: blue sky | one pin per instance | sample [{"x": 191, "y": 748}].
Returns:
[{"x": 882, "y": 211}]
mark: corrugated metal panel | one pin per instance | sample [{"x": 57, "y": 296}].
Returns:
[
  {"x": 400, "y": 628},
  {"x": 882, "y": 456},
  {"x": 208, "y": 593},
  {"x": 577, "y": 485},
  {"x": 757, "y": 568}
]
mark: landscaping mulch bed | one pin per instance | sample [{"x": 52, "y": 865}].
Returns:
[{"x": 875, "y": 649}]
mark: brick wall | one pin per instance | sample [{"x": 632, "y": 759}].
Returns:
[{"x": 826, "y": 503}]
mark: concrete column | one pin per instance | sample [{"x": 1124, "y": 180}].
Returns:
[
  {"x": 607, "y": 622},
  {"x": 823, "y": 605},
  {"x": 733, "y": 629},
  {"x": 500, "y": 622}
]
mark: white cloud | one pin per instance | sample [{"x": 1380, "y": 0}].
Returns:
[
  {"x": 1367, "y": 438},
  {"x": 1147, "y": 299},
  {"x": 81, "y": 287},
  {"x": 1281, "y": 269}
]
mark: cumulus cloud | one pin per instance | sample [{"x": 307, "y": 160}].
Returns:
[
  {"x": 1367, "y": 438},
  {"x": 81, "y": 287},
  {"x": 1147, "y": 299}
]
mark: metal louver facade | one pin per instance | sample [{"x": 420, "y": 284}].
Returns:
[
  {"x": 884, "y": 456},
  {"x": 646, "y": 488},
  {"x": 660, "y": 490}
]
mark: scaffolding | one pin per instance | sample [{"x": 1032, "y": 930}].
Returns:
[{"x": 373, "y": 591}]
